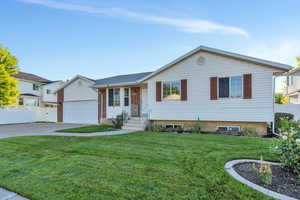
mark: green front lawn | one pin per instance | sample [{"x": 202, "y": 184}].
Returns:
[
  {"x": 88, "y": 129},
  {"x": 135, "y": 166}
]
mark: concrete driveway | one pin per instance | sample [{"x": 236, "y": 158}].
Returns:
[{"x": 12, "y": 130}]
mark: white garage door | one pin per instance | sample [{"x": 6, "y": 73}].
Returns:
[{"x": 85, "y": 112}]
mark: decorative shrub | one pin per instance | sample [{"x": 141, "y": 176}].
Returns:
[
  {"x": 250, "y": 132},
  {"x": 196, "y": 128},
  {"x": 282, "y": 117},
  {"x": 285, "y": 125},
  {"x": 288, "y": 147},
  {"x": 264, "y": 172},
  {"x": 156, "y": 128},
  {"x": 179, "y": 130},
  {"x": 118, "y": 121}
]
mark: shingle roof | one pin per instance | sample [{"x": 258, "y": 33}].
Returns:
[
  {"x": 122, "y": 79},
  {"x": 31, "y": 77}
]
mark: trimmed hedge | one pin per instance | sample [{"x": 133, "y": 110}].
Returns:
[{"x": 282, "y": 117}]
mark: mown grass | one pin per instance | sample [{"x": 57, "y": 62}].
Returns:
[
  {"x": 88, "y": 129},
  {"x": 137, "y": 166}
]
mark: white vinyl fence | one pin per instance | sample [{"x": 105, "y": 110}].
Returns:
[
  {"x": 289, "y": 108},
  {"x": 27, "y": 115}
]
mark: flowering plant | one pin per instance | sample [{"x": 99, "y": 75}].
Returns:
[
  {"x": 264, "y": 172},
  {"x": 288, "y": 147}
]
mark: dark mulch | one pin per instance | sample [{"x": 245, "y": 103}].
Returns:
[{"x": 283, "y": 182}]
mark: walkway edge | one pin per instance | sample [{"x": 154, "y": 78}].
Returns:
[{"x": 229, "y": 168}]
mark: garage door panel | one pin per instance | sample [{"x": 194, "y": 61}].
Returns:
[{"x": 85, "y": 112}]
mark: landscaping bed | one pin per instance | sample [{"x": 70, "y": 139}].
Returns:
[{"x": 283, "y": 181}]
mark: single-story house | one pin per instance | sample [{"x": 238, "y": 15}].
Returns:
[{"x": 219, "y": 89}]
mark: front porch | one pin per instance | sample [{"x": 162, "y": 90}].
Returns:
[{"x": 131, "y": 101}]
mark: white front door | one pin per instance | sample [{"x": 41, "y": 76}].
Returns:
[{"x": 82, "y": 112}]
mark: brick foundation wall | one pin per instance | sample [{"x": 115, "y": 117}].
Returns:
[{"x": 211, "y": 126}]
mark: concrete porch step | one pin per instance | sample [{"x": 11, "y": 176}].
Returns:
[
  {"x": 134, "y": 123},
  {"x": 126, "y": 127}
]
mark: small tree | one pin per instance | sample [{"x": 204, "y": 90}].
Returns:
[
  {"x": 281, "y": 99},
  {"x": 8, "y": 84}
]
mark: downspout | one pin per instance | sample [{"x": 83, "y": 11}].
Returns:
[
  {"x": 275, "y": 75},
  {"x": 273, "y": 99}
]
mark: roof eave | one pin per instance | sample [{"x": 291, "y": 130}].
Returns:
[{"x": 116, "y": 84}]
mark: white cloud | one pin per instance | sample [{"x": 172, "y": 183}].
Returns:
[
  {"x": 186, "y": 25},
  {"x": 284, "y": 51}
]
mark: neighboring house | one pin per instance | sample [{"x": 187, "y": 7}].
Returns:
[
  {"x": 78, "y": 101},
  {"x": 49, "y": 97},
  {"x": 293, "y": 86},
  {"x": 219, "y": 89},
  {"x": 36, "y": 91}
]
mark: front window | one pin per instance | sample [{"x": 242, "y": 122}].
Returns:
[
  {"x": 171, "y": 90},
  {"x": 30, "y": 102},
  {"x": 126, "y": 96},
  {"x": 35, "y": 87},
  {"x": 236, "y": 86},
  {"x": 291, "y": 80},
  {"x": 224, "y": 87},
  {"x": 230, "y": 87},
  {"x": 48, "y": 91},
  {"x": 114, "y": 97},
  {"x": 21, "y": 101}
]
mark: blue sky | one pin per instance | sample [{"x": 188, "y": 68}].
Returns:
[{"x": 58, "y": 39}]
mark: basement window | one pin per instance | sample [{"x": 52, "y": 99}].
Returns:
[
  {"x": 228, "y": 128},
  {"x": 173, "y": 126}
]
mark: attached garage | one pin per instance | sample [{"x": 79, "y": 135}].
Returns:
[
  {"x": 78, "y": 102},
  {"x": 85, "y": 112}
]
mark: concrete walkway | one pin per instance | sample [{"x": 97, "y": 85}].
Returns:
[
  {"x": 7, "y": 195},
  {"x": 120, "y": 132}
]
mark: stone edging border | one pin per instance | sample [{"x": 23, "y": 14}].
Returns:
[{"x": 229, "y": 168}]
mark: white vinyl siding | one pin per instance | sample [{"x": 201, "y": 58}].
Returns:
[
  {"x": 80, "y": 90},
  {"x": 257, "y": 109}
]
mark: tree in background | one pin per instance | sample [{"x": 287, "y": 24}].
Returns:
[
  {"x": 281, "y": 99},
  {"x": 298, "y": 60},
  {"x": 8, "y": 84}
]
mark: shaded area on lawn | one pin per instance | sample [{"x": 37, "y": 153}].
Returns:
[
  {"x": 88, "y": 129},
  {"x": 136, "y": 166}
]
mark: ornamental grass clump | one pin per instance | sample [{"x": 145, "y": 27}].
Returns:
[
  {"x": 288, "y": 148},
  {"x": 264, "y": 172}
]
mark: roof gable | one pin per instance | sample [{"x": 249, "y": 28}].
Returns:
[
  {"x": 222, "y": 53},
  {"x": 73, "y": 80},
  {"x": 31, "y": 77}
]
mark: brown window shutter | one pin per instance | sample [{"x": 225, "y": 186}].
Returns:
[
  {"x": 184, "y": 90},
  {"x": 99, "y": 105},
  {"x": 60, "y": 101},
  {"x": 247, "y": 86},
  {"x": 213, "y": 88},
  {"x": 158, "y": 91}
]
